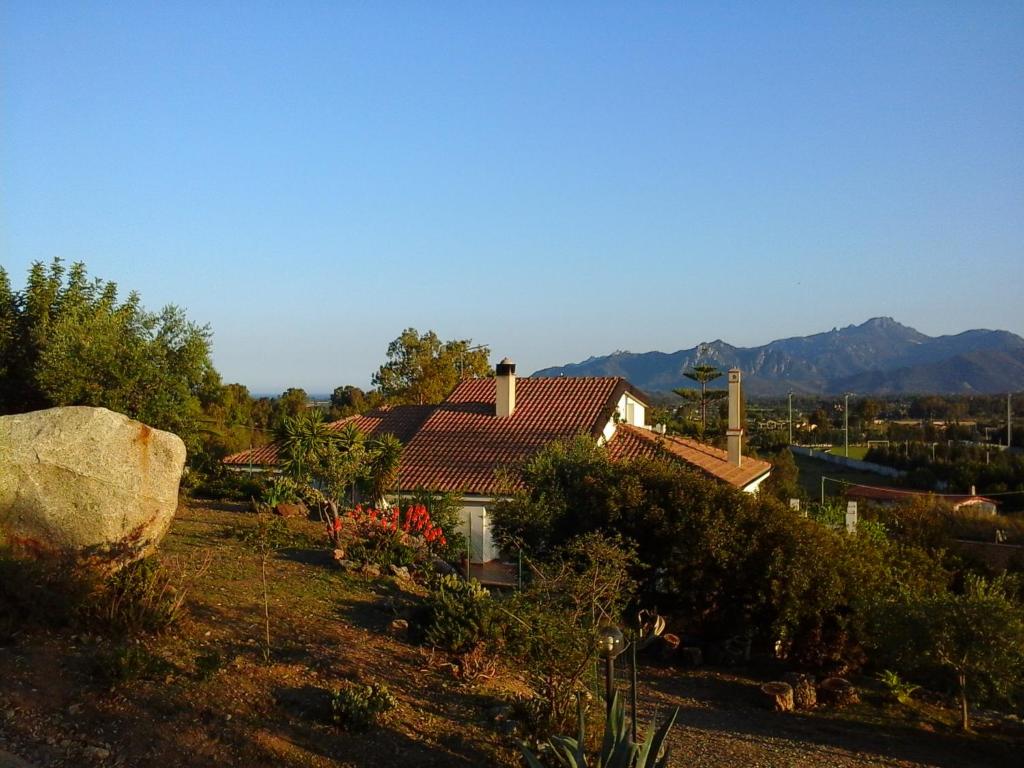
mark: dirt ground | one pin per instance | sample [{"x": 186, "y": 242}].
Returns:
[{"x": 203, "y": 695}]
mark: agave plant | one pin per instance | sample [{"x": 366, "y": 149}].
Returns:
[{"x": 617, "y": 748}]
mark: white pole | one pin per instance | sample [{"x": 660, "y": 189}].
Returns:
[
  {"x": 790, "y": 418},
  {"x": 846, "y": 424}
]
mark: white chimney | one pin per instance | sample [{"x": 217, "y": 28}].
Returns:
[
  {"x": 734, "y": 434},
  {"x": 505, "y": 384}
]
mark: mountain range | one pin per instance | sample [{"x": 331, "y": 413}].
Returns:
[{"x": 880, "y": 357}]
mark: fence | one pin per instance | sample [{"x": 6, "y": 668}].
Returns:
[{"x": 843, "y": 461}]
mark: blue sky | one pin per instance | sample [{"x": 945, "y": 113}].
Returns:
[{"x": 555, "y": 180}]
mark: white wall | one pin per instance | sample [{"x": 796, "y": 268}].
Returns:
[
  {"x": 475, "y": 526},
  {"x": 628, "y": 410}
]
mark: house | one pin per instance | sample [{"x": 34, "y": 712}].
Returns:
[
  {"x": 959, "y": 502},
  {"x": 485, "y": 426}
]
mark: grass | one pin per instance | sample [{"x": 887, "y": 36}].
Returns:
[
  {"x": 857, "y": 452},
  {"x": 812, "y": 470}
]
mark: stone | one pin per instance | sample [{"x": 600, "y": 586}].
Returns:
[
  {"x": 348, "y": 565},
  {"x": 86, "y": 482},
  {"x": 399, "y": 627},
  {"x": 400, "y": 572},
  {"x": 805, "y": 694},
  {"x": 443, "y": 567},
  {"x": 370, "y": 569},
  {"x": 837, "y": 691},
  {"x": 287, "y": 509},
  {"x": 778, "y": 696}
]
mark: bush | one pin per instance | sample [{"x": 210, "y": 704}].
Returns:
[
  {"x": 128, "y": 662},
  {"x": 389, "y": 536},
  {"x": 361, "y": 707},
  {"x": 229, "y": 486},
  {"x": 459, "y": 614},
  {"x": 551, "y": 627},
  {"x": 144, "y": 596}
]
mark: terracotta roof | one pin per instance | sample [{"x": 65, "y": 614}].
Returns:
[
  {"x": 402, "y": 421},
  {"x": 875, "y": 493},
  {"x": 463, "y": 445},
  {"x": 632, "y": 442}
]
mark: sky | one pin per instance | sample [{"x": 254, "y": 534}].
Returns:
[{"x": 554, "y": 180}]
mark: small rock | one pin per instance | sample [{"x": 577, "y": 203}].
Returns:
[
  {"x": 399, "y": 627},
  {"x": 370, "y": 569},
  {"x": 339, "y": 555},
  {"x": 348, "y": 565},
  {"x": 98, "y": 752},
  {"x": 400, "y": 572},
  {"x": 75, "y": 709}
]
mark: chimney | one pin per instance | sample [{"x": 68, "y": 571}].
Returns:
[
  {"x": 505, "y": 389},
  {"x": 734, "y": 434}
]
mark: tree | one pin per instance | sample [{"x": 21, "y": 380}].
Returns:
[
  {"x": 702, "y": 374},
  {"x": 734, "y": 563},
  {"x": 422, "y": 369},
  {"x": 346, "y": 401},
  {"x": 976, "y": 636},
  {"x": 293, "y": 402},
  {"x": 329, "y": 463},
  {"x": 67, "y": 340}
]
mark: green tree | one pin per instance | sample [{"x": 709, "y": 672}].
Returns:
[
  {"x": 73, "y": 343},
  {"x": 977, "y": 637},
  {"x": 703, "y": 374},
  {"x": 422, "y": 369},
  {"x": 293, "y": 402},
  {"x": 736, "y": 563},
  {"x": 347, "y": 400}
]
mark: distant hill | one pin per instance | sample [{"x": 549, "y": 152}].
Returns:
[{"x": 880, "y": 356}]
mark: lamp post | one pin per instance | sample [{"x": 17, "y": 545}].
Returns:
[
  {"x": 610, "y": 644},
  {"x": 846, "y": 425},
  {"x": 790, "y": 418}
]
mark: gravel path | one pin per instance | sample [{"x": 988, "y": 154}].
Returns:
[{"x": 720, "y": 725}]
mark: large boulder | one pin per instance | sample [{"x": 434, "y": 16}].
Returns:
[{"x": 86, "y": 482}]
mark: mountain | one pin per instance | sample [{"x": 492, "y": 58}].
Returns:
[{"x": 880, "y": 356}]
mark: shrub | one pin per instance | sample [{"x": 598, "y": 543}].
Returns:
[
  {"x": 361, "y": 707},
  {"x": 459, "y": 614},
  {"x": 444, "y": 509},
  {"x": 390, "y": 536},
  {"x": 229, "y": 486},
  {"x": 128, "y": 662},
  {"x": 899, "y": 690},
  {"x": 551, "y": 627},
  {"x": 141, "y": 597},
  {"x": 976, "y": 638}
]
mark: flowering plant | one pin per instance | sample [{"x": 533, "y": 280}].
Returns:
[{"x": 388, "y": 536}]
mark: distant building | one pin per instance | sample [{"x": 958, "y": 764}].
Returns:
[{"x": 957, "y": 502}]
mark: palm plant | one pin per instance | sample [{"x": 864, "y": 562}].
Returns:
[
  {"x": 381, "y": 471},
  {"x": 617, "y": 748}
]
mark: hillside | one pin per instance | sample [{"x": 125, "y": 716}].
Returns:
[
  {"x": 880, "y": 356},
  {"x": 204, "y": 695}
]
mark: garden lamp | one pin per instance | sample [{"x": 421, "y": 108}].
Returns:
[{"x": 610, "y": 644}]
